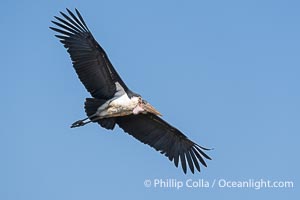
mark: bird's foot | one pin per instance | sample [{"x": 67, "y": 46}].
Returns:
[
  {"x": 77, "y": 124},
  {"x": 80, "y": 123}
]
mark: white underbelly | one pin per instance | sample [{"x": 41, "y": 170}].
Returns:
[
  {"x": 118, "y": 107},
  {"x": 121, "y": 101}
]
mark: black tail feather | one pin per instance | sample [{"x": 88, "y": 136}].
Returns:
[{"x": 91, "y": 106}]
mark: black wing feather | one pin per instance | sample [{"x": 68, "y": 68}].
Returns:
[
  {"x": 195, "y": 161},
  {"x": 152, "y": 130},
  {"x": 190, "y": 162},
  {"x": 89, "y": 59},
  {"x": 182, "y": 158}
]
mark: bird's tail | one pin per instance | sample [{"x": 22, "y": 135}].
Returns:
[{"x": 91, "y": 106}]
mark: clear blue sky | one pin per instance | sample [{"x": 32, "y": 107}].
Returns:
[{"x": 224, "y": 72}]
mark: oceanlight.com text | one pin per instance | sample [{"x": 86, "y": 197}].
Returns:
[{"x": 221, "y": 183}]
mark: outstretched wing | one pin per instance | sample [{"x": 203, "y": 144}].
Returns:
[
  {"x": 89, "y": 59},
  {"x": 152, "y": 130}
]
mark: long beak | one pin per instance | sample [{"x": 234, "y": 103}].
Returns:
[{"x": 151, "y": 109}]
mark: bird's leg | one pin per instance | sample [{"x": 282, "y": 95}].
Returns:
[
  {"x": 84, "y": 121},
  {"x": 95, "y": 117},
  {"x": 80, "y": 122}
]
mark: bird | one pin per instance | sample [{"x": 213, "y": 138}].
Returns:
[{"x": 112, "y": 102}]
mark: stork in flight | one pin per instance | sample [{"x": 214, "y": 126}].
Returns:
[{"x": 114, "y": 103}]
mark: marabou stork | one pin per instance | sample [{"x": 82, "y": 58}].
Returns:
[{"x": 114, "y": 103}]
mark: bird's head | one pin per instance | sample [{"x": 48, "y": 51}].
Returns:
[{"x": 143, "y": 107}]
